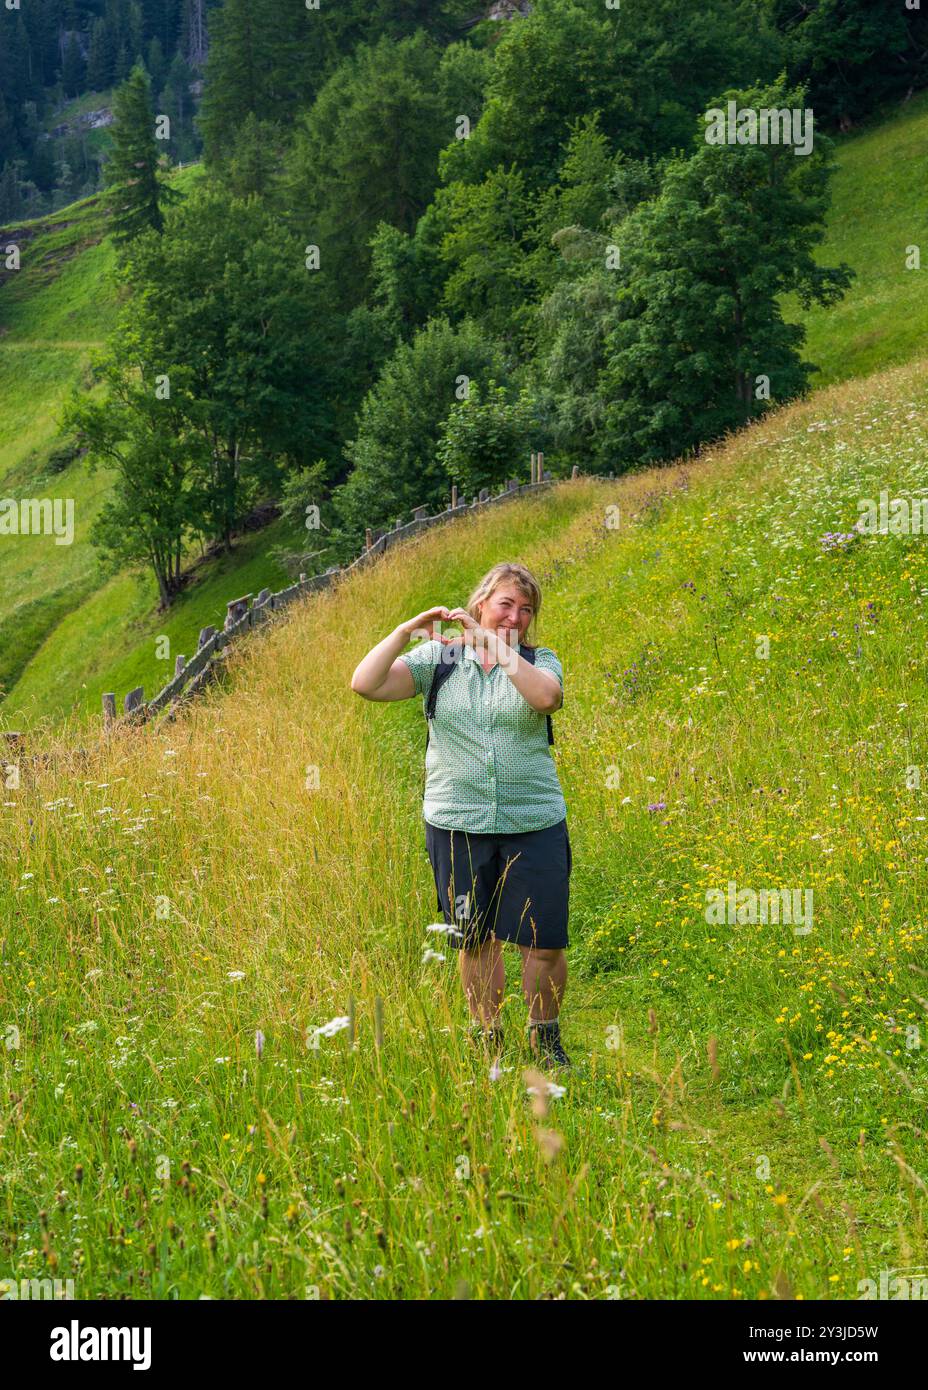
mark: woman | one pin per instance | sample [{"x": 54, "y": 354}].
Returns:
[{"x": 495, "y": 815}]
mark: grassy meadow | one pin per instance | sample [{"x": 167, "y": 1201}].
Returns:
[
  {"x": 187, "y": 904},
  {"x": 878, "y": 212}
]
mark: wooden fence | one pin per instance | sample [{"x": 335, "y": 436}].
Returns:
[{"x": 250, "y": 611}]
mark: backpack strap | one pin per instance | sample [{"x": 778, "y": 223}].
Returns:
[
  {"x": 450, "y": 658},
  {"x": 528, "y": 654}
]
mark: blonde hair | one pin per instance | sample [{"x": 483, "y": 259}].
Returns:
[{"x": 502, "y": 573}]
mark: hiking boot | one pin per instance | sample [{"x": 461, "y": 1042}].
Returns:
[{"x": 550, "y": 1048}]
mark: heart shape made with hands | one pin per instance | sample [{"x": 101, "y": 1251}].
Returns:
[
  {"x": 471, "y": 628},
  {"x": 473, "y": 634}
]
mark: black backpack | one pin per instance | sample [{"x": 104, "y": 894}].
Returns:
[{"x": 450, "y": 657}]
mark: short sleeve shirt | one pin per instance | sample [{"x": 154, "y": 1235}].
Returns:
[{"x": 488, "y": 767}]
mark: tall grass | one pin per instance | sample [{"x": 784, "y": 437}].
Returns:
[{"x": 745, "y": 1117}]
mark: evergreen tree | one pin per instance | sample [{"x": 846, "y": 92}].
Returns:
[
  {"x": 154, "y": 62},
  {"x": 177, "y": 103},
  {"x": 16, "y": 78},
  {"x": 9, "y": 140},
  {"x": 237, "y": 71},
  {"x": 73, "y": 67},
  {"x": 255, "y": 157},
  {"x": 11, "y": 205},
  {"x": 365, "y": 153},
  {"x": 132, "y": 168},
  {"x": 123, "y": 65},
  {"x": 63, "y": 192},
  {"x": 101, "y": 58},
  {"x": 45, "y": 20}
]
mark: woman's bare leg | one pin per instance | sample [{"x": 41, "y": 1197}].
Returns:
[
  {"x": 483, "y": 975},
  {"x": 544, "y": 980}
]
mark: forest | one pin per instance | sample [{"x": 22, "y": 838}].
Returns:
[{"x": 424, "y": 240}]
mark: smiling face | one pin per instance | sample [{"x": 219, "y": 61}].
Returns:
[{"x": 507, "y": 611}]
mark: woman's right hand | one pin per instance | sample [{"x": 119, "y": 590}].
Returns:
[{"x": 423, "y": 624}]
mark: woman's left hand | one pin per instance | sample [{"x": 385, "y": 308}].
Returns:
[{"x": 473, "y": 634}]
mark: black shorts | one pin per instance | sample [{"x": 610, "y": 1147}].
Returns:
[{"x": 513, "y": 887}]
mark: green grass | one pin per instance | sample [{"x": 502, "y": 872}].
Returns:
[
  {"x": 878, "y": 209},
  {"x": 115, "y": 639},
  {"x": 54, "y": 311},
  {"x": 745, "y": 1118}
]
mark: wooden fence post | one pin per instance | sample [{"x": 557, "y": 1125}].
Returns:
[
  {"x": 109, "y": 708},
  {"x": 575, "y": 472},
  {"x": 534, "y": 478},
  {"x": 236, "y": 610},
  {"x": 134, "y": 702}
]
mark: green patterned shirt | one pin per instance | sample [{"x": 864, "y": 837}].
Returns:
[{"x": 488, "y": 766}]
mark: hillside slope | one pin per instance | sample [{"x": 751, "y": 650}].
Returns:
[
  {"x": 879, "y": 209},
  {"x": 69, "y": 633},
  {"x": 745, "y": 704},
  {"x": 55, "y": 311}
]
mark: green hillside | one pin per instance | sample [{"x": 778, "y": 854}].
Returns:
[
  {"x": 879, "y": 208},
  {"x": 743, "y": 704},
  {"x": 54, "y": 312},
  {"x": 68, "y": 633}
]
